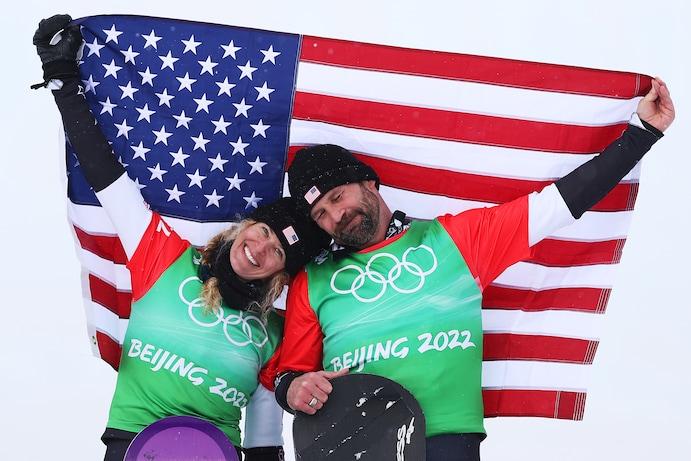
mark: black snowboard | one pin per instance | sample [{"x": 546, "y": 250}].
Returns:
[{"x": 367, "y": 417}]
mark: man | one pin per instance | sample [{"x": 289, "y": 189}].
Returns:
[{"x": 404, "y": 300}]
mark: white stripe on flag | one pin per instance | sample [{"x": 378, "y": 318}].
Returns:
[
  {"x": 512, "y": 374},
  {"x": 461, "y": 96},
  {"x": 568, "y": 324}
]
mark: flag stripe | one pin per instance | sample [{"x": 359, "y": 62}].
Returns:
[
  {"x": 524, "y": 374},
  {"x": 506, "y": 346},
  {"x": 563, "y": 323},
  {"x": 109, "y": 348},
  {"x": 460, "y": 96},
  {"x": 497, "y": 71},
  {"x": 117, "y": 301},
  {"x": 576, "y": 299},
  {"x": 455, "y": 126},
  {"x": 531, "y": 402}
]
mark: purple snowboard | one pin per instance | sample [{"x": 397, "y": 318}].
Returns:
[{"x": 181, "y": 438}]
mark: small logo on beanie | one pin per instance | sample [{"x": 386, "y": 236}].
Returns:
[
  {"x": 312, "y": 195},
  {"x": 291, "y": 235}
]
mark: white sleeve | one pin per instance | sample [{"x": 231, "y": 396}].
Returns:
[
  {"x": 547, "y": 212},
  {"x": 127, "y": 210},
  {"x": 263, "y": 420}
]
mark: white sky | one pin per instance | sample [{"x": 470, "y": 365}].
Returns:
[{"x": 54, "y": 395}]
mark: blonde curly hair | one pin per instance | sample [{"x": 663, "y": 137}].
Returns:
[{"x": 210, "y": 293}]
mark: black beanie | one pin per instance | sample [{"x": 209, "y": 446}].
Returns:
[
  {"x": 300, "y": 237},
  {"x": 318, "y": 169}
]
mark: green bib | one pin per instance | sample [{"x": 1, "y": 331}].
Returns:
[
  {"x": 176, "y": 360},
  {"x": 409, "y": 311}
]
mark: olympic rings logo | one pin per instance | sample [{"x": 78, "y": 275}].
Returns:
[
  {"x": 391, "y": 278},
  {"x": 209, "y": 321}
]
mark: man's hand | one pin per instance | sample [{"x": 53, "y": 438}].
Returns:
[
  {"x": 656, "y": 107},
  {"x": 312, "y": 388},
  {"x": 59, "y": 59}
]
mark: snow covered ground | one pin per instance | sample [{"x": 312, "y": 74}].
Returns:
[{"x": 54, "y": 395}]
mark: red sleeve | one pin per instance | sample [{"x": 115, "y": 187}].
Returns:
[
  {"x": 268, "y": 373},
  {"x": 302, "y": 336},
  {"x": 159, "y": 247},
  {"x": 491, "y": 239}
]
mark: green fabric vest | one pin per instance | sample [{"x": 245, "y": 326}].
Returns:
[
  {"x": 409, "y": 311},
  {"x": 176, "y": 360}
]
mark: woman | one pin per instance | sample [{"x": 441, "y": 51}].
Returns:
[{"x": 201, "y": 336}]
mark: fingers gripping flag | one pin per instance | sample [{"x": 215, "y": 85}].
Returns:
[{"x": 206, "y": 117}]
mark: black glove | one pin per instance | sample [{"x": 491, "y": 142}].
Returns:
[{"x": 59, "y": 60}]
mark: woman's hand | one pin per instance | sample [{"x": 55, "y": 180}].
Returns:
[
  {"x": 656, "y": 107},
  {"x": 60, "y": 59}
]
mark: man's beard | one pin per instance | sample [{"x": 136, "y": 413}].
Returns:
[{"x": 361, "y": 235}]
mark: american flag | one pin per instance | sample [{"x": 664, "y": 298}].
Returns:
[{"x": 206, "y": 118}]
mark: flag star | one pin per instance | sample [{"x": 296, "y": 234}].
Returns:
[
  {"x": 200, "y": 142},
  {"x": 246, "y": 71},
  {"x": 221, "y": 125},
  {"x": 111, "y": 69},
  {"x": 162, "y": 135},
  {"x": 190, "y": 45},
  {"x": 164, "y": 98},
  {"x": 230, "y": 49},
  {"x": 140, "y": 151},
  {"x": 128, "y": 91},
  {"x": 252, "y": 200},
  {"x": 112, "y": 34},
  {"x": 207, "y": 66},
  {"x": 179, "y": 157},
  {"x": 183, "y": 120},
  {"x": 174, "y": 194},
  {"x": 157, "y": 172},
  {"x": 124, "y": 165},
  {"x": 270, "y": 55},
  {"x": 260, "y": 129},
  {"x": 168, "y": 61},
  {"x": 186, "y": 82},
  {"x": 139, "y": 186},
  {"x": 257, "y": 165},
  {"x": 90, "y": 84},
  {"x": 151, "y": 40},
  {"x": 234, "y": 182},
  {"x": 147, "y": 76},
  {"x": 225, "y": 87},
  {"x": 242, "y": 108},
  {"x": 264, "y": 92},
  {"x": 107, "y": 106},
  {"x": 123, "y": 129},
  {"x": 217, "y": 162},
  {"x": 203, "y": 103},
  {"x": 145, "y": 113},
  {"x": 94, "y": 48},
  {"x": 196, "y": 179},
  {"x": 239, "y": 146},
  {"x": 213, "y": 199},
  {"x": 130, "y": 55}
]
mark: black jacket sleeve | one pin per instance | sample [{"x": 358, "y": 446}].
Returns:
[
  {"x": 590, "y": 182},
  {"x": 95, "y": 155}
]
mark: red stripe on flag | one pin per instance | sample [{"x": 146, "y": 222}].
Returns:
[
  {"x": 105, "y": 246},
  {"x": 105, "y": 294},
  {"x": 508, "y": 346},
  {"x": 538, "y": 403},
  {"x": 574, "y": 299},
  {"x": 482, "y": 69},
  {"x": 479, "y": 188},
  {"x": 455, "y": 126},
  {"x": 109, "y": 349},
  {"x": 560, "y": 253}
]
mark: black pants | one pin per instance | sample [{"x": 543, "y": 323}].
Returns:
[
  {"x": 454, "y": 447},
  {"x": 117, "y": 441}
]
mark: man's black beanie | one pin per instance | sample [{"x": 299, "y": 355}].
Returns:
[
  {"x": 318, "y": 169},
  {"x": 300, "y": 237}
]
